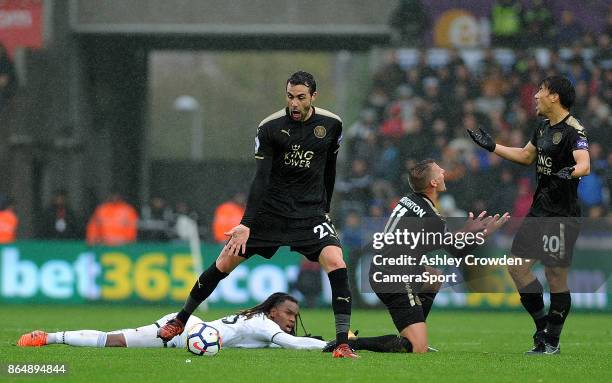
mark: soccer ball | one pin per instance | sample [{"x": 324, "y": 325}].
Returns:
[{"x": 203, "y": 339}]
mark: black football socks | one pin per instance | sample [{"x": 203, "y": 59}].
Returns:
[
  {"x": 341, "y": 303},
  {"x": 560, "y": 304},
  {"x": 532, "y": 298},
  {"x": 384, "y": 343},
  {"x": 204, "y": 286}
]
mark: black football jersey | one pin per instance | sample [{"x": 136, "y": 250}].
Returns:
[
  {"x": 416, "y": 213},
  {"x": 408, "y": 212},
  {"x": 556, "y": 197},
  {"x": 299, "y": 151}
]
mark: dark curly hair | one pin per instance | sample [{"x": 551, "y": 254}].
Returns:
[{"x": 266, "y": 306}]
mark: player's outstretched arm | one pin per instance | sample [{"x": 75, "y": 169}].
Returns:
[
  {"x": 297, "y": 342},
  {"x": 523, "y": 156}
]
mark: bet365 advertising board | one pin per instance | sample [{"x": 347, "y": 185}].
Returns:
[{"x": 72, "y": 272}]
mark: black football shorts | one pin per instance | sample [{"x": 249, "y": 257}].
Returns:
[
  {"x": 306, "y": 236},
  {"x": 405, "y": 308},
  {"x": 549, "y": 240}
]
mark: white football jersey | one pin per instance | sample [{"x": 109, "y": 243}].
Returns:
[
  {"x": 235, "y": 330},
  {"x": 238, "y": 331}
]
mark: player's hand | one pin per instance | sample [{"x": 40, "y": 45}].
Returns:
[
  {"x": 565, "y": 173},
  {"x": 496, "y": 223},
  {"x": 239, "y": 235},
  {"x": 483, "y": 139},
  {"x": 476, "y": 224}
]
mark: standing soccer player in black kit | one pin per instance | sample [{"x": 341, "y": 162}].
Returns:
[
  {"x": 288, "y": 204},
  {"x": 560, "y": 147}
]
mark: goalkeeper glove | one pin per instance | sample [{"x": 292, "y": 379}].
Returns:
[
  {"x": 565, "y": 173},
  {"x": 483, "y": 139}
]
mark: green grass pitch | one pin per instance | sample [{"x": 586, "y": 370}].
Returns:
[{"x": 474, "y": 346}]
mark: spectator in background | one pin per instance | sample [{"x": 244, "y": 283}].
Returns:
[
  {"x": 506, "y": 23},
  {"x": 491, "y": 99},
  {"x": 568, "y": 30},
  {"x": 355, "y": 190},
  {"x": 351, "y": 231},
  {"x": 409, "y": 22},
  {"x": 367, "y": 149},
  {"x": 377, "y": 100},
  {"x": 432, "y": 103},
  {"x": 155, "y": 220},
  {"x": 417, "y": 142},
  {"x": 524, "y": 197},
  {"x": 8, "y": 80},
  {"x": 59, "y": 221},
  {"x": 599, "y": 119},
  {"x": 539, "y": 24},
  {"x": 393, "y": 127},
  {"x": 228, "y": 215},
  {"x": 591, "y": 187},
  {"x": 608, "y": 28},
  {"x": 603, "y": 57},
  {"x": 505, "y": 190},
  {"x": 360, "y": 132},
  {"x": 388, "y": 166},
  {"x": 186, "y": 225},
  {"x": 113, "y": 223},
  {"x": 448, "y": 207},
  {"x": 390, "y": 74},
  {"x": 8, "y": 221},
  {"x": 577, "y": 71},
  {"x": 406, "y": 101}
]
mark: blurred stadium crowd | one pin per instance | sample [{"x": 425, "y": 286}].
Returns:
[{"x": 420, "y": 103}]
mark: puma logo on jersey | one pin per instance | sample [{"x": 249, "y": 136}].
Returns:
[
  {"x": 286, "y": 132},
  {"x": 560, "y": 313},
  {"x": 346, "y": 299}
]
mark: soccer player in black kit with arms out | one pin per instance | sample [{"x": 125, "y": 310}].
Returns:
[
  {"x": 409, "y": 302},
  {"x": 560, "y": 147},
  {"x": 288, "y": 204}
]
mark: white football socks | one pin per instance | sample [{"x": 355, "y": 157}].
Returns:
[{"x": 83, "y": 338}]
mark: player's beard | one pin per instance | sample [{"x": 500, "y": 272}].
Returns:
[{"x": 303, "y": 113}]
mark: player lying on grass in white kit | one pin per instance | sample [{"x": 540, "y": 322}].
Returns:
[{"x": 269, "y": 324}]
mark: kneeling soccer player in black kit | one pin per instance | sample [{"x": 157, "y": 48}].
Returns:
[
  {"x": 288, "y": 204},
  {"x": 560, "y": 147},
  {"x": 409, "y": 301}
]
